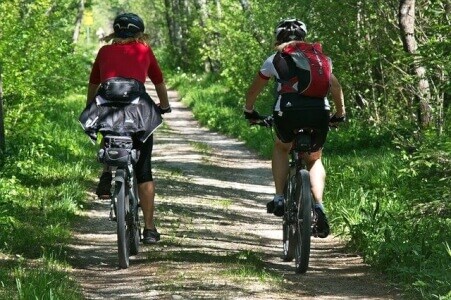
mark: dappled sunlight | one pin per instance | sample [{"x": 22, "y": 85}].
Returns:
[{"x": 216, "y": 237}]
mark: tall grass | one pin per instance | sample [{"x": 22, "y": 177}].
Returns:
[
  {"x": 391, "y": 204},
  {"x": 47, "y": 281},
  {"x": 45, "y": 171}
]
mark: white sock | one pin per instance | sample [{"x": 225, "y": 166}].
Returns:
[{"x": 278, "y": 199}]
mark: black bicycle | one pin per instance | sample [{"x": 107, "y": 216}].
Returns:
[
  {"x": 119, "y": 155},
  {"x": 299, "y": 218}
]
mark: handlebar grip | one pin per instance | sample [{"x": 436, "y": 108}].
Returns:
[{"x": 265, "y": 121}]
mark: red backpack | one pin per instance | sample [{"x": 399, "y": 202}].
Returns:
[{"x": 312, "y": 72}]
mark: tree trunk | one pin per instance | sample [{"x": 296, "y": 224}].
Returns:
[
  {"x": 174, "y": 12},
  {"x": 203, "y": 9},
  {"x": 406, "y": 17},
  {"x": 2, "y": 128},
  {"x": 218, "y": 9},
  {"x": 78, "y": 21},
  {"x": 245, "y": 5}
]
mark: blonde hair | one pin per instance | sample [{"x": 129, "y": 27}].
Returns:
[
  {"x": 140, "y": 37},
  {"x": 279, "y": 47}
]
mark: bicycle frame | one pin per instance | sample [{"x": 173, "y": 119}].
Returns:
[
  {"x": 119, "y": 155},
  {"x": 299, "y": 218},
  {"x": 124, "y": 175}
]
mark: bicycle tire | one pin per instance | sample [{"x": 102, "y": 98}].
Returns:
[
  {"x": 288, "y": 229},
  {"x": 304, "y": 221},
  {"x": 121, "y": 194},
  {"x": 134, "y": 227}
]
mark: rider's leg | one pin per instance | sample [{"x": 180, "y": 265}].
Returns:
[
  {"x": 103, "y": 190},
  {"x": 146, "y": 192},
  {"x": 280, "y": 164},
  {"x": 317, "y": 175},
  {"x": 317, "y": 181}
]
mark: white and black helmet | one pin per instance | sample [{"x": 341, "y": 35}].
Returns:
[
  {"x": 127, "y": 25},
  {"x": 290, "y": 30}
]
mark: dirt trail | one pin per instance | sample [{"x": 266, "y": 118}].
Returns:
[{"x": 211, "y": 196}]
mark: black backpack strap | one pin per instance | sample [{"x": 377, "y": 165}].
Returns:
[{"x": 286, "y": 69}]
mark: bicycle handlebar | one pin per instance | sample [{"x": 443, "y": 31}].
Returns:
[{"x": 267, "y": 121}]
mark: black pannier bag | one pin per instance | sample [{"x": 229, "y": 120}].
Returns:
[
  {"x": 121, "y": 90},
  {"x": 118, "y": 151},
  {"x": 138, "y": 118}
]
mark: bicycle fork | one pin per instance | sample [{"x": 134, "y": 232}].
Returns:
[
  {"x": 291, "y": 203},
  {"x": 118, "y": 176}
]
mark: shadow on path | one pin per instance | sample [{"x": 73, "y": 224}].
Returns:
[{"x": 217, "y": 240}]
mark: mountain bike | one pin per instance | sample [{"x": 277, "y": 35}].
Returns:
[
  {"x": 118, "y": 154},
  {"x": 299, "y": 218}
]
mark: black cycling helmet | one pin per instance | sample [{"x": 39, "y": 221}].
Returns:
[
  {"x": 127, "y": 25},
  {"x": 290, "y": 30}
]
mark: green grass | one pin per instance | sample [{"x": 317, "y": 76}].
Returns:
[
  {"x": 203, "y": 148},
  {"x": 48, "y": 165},
  {"x": 224, "y": 203},
  {"x": 250, "y": 265},
  {"x": 48, "y": 280},
  {"x": 237, "y": 266}
]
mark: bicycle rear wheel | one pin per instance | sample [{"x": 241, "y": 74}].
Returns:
[
  {"x": 122, "y": 207},
  {"x": 288, "y": 228},
  {"x": 133, "y": 226},
  {"x": 304, "y": 221}
]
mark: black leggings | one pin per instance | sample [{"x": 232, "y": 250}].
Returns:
[
  {"x": 143, "y": 168},
  {"x": 291, "y": 120}
]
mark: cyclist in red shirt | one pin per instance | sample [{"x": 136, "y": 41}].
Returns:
[{"x": 129, "y": 56}]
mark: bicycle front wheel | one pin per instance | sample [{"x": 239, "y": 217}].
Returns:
[
  {"x": 133, "y": 220},
  {"x": 304, "y": 221},
  {"x": 122, "y": 207},
  {"x": 288, "y": 228}
]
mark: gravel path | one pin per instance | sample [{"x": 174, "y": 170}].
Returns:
[{"x": 217, "y": 240}]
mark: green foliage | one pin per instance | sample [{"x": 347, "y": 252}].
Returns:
[
  {"x": 393, "y": 203},
  {"x": 36, "y": 47},
  {"x": 389, "y": 181},
  {"x": 366, "y": 50},
  {"x": 44, "y": 169},
  {"x": 35, "y": 169}
]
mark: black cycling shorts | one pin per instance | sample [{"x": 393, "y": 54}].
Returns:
[
  {"x": 143, "y": 168},
  {"x": 314, "y": 118}
]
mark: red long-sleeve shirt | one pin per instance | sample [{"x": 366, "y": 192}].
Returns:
[{"x": 132, "y": 60}]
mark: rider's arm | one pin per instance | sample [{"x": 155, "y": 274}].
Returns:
[
  {"x": 254, "y": 90},
  {"x": 162, "y": 94},
  {"x": 337, "y": 96},
  {"x": 92, "y": 90}
]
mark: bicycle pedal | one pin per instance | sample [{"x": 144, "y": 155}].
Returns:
[
  {"x": 270, "y": 207},
  {"x": 279, "y": 211},
  {"x": 314, "y": 231}
]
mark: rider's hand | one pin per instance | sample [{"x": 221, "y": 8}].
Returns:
[
  {"x": 164, "y": 110},
  {"x": 334, "y": 120},
  {"x": 251, "y": 115}
]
